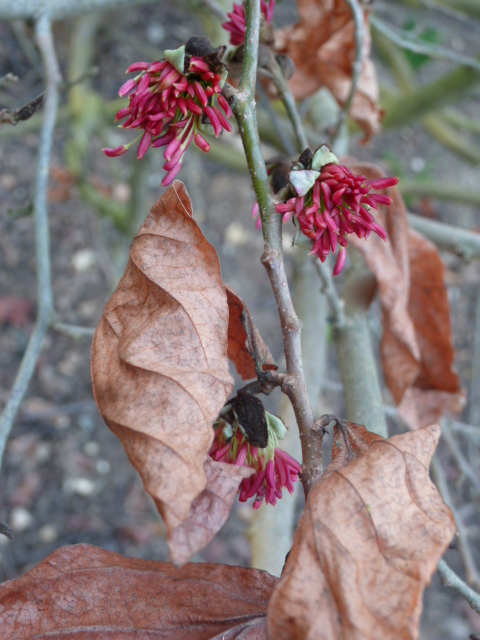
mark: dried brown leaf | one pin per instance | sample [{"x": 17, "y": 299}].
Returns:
[
  {"x": 366, "y": 546},
  {"x": 242, "y": 347},
  {"x": 208, "y": 511},
  {"x": 437, "y": 388},
  {"x": 350, "y": 441},
  {"x": 83, "y": 593},
  {"x": 160, "y": 367},
  {"x": 417, "y": 351},
  {"x": 322, "y": 46}
]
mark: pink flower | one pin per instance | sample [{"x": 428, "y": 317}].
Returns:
[
  {"x": 256, "y": 216},
  {"x": 237, "y": 25},
  {"x": 172, "y": 108},
  {"x": 274, "y": 468},
  {"x": 338, "y": 204}
]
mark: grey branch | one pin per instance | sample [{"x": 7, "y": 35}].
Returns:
[
  {"x": 356, "y": 359},
  {"x": 46, "y": 313},
  {"x": 358, "y": 19},
  {"x": 450, "y": 579},
  {"x": 406, "y": 41},
  {"x": 59, "y": 9},
  {"x": 42, "y": 241},
  {"x": 335, "y": 303},
  {"x": 465, "y": 548},
  {"x": 72, "y": 330},
  {"x": 461, "y": 242},
  {"x": 460, "y": 459}
]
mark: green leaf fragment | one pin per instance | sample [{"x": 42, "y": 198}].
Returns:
[
  {"x": 276, "y": 425},
  {"x": 303, "y": 181},
  {"x": 322, "y": 157},
  {"x": 176, "y": 57}
]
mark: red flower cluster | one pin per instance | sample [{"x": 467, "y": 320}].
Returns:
[
  {"x": 274, "y": 468},
  {"x": 171, "y": 108},
  {"x": 237, "y": 25},
  {"x": 338, "y": 204}
]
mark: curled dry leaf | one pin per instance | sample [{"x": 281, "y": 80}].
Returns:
[
  {"x": 437, "y": 387},
  {"x": 85, "y": 593},
  {"x": 366, "y": 546},
  {"x": 160, "y": 371},
  {"x": 208, "y": 511},
  {"x": 417, "y": 350},
  {"x": 350, "y": 441},
  {"x": 242, "y": 346},
  {"x": 322, "y": 46}
]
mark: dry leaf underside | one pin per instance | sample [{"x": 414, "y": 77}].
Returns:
[{"x": 160, "y": 371}]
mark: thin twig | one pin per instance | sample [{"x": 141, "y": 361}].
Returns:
[
  {"x": 283, "y": 138},
  {"x": 217, "y": 10},
  {"x": 59, "y": 9},
  {"x": 407, "y": 41},
  {"x": 466, "y": 21},
  {"x": 464, "y": 543},
  {"x": 243, "y": 105},
  {"x": 460, "y": 459},
  {"x": 72, "y": 330},
  {"x": 42, "y": 242},
  {"x": 358, "y": 19},
  {"x": 450, "y": 579},
  {"x": 468, "y": 430},
  {"x": 288, "y": 100},
  {"x": 474, "y": 400},
  {"x": 335, "y": 303},
  {"x": 461, "y": 242}
]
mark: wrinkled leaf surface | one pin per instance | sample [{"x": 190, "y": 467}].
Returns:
[
  {"x": 85, "y": 593},
  {"x": 366, "y": 546},
  {"x": 322, "y": 46},
  {"x": 159, "y": 361}
]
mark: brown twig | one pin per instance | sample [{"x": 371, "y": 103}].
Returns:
[
  {"x": 243, "y": 105},
  {"x": 25, "y": 112}
]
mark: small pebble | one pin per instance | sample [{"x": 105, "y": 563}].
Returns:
[
  {"x": 92, "y": 448},
  {"x": 20, "y": 519},
  {"x": 83, "y": 260},
  {"x": 417, "y": 164},
  {"x": 48, "y": 534},
  {"x": 81, "y": 486},
  {"x": 42, "y": 452},
  {"x": 236, "y": 235},
  {"x": 103, "y": 467}
]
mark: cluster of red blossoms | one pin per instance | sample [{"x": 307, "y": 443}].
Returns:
[
  {"x": 339, "y": 203},
  {"x": 172, "y": 108},
  {"x": 274, "y": 468},
  {"x": 237, "y": 24}
]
